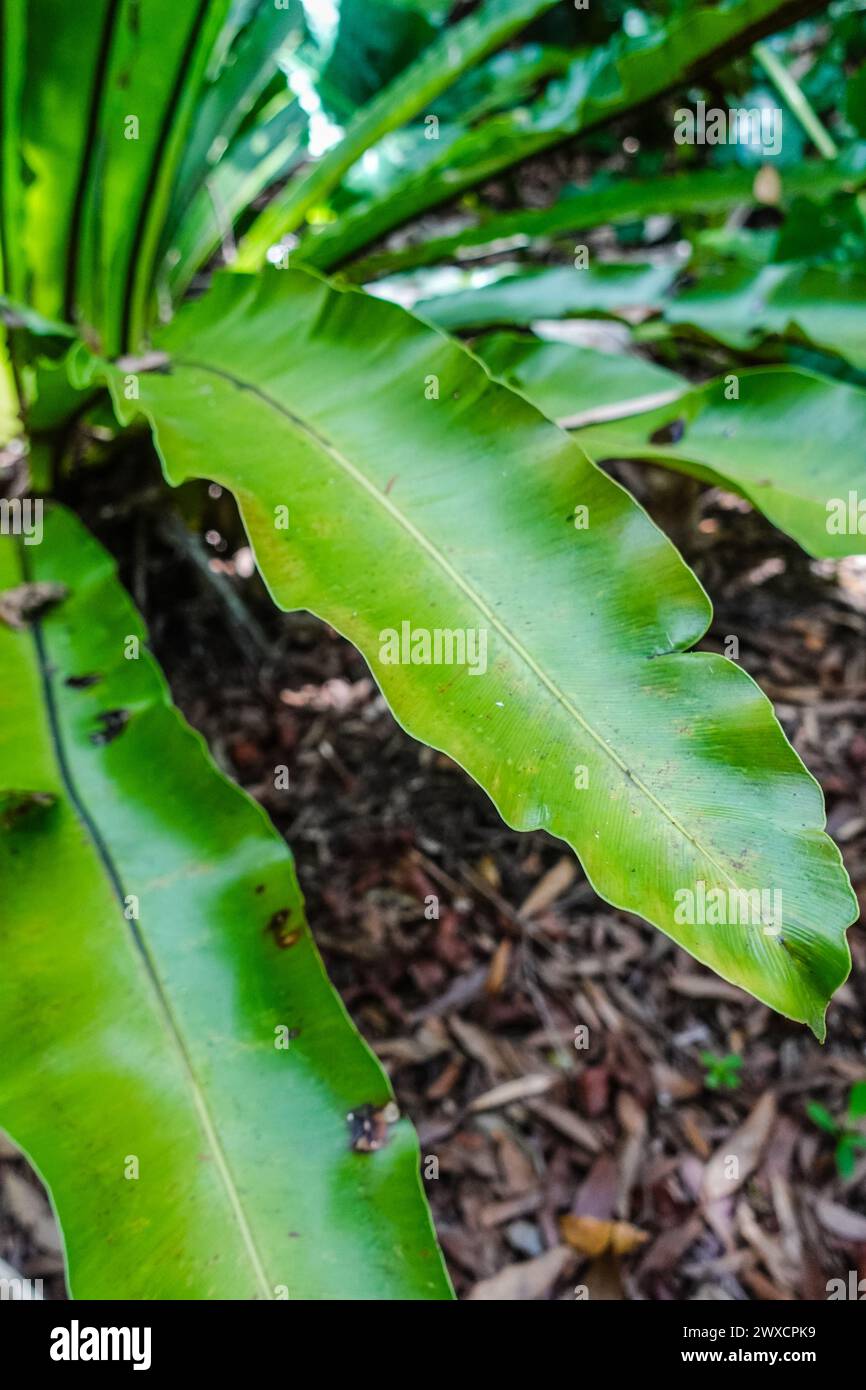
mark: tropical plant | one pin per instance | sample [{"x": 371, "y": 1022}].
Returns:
[
  {"x": 850, "y": 1140},
  {"x": 722, "y": 1072},
  {"x": 175, "y": 1062}
]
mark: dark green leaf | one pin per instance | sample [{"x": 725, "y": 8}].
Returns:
[
  {"x": 789, "y": 441},
  {"x": 702, "y": 192},
  {"x": 601, "y": 84},
  {"x": 441, "y": 63},
  {"x": 857, "y": 1101},
  {"x": 547, "y": 294},
  {"x": 572, "y": 384},
  {"x": 820, "y": 1116}
]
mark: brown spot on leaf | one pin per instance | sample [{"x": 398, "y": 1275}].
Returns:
[
  {"x": 669, "y": 434},
  {"x": 17, "y": 806},
  {"x": 83, "y": 682},
  {"x": 279, "y": 928},
  {"x": 21, "y": 605},
  {"x": 113, "y": 722},
  {"x": 369, "y": 1126}
]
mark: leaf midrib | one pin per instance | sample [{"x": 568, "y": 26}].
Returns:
[
  {"x": 113, "y": 874},
  {"x": 475, "y": 598}
]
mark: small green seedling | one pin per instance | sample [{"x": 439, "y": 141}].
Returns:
[
  {"x": 722, "y": 1073},
  {"x": 848, "y": 1138}
]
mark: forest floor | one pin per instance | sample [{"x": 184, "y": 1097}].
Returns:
[{"x": 549, "y": 1049}]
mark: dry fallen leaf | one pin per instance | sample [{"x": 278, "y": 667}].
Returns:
[
  {"x": 737, "y": 1156},
  {"x": 15, "y": 1284},
  {"x": 848, "y": 1226},
  {"x": 632, "y": 1117},
  {"x": 567, "y": 1123},
  {"x": 690, "y": 1125},
  {"x": 7, "y": 1148},
  {"x": 767, "y": 186},
  {"x": 29, "y": 1206},
  {"x": 550, "y": 887},
  {"x": 498, "y": 968},
  {"x": 667, "y": 1251},
  {"x": 525, "y": 1280},
  {"x": 488, "y": 869},
  {"x": 602, "y": 1281},
  {"x": 703, "y": 987},
  {"x": 592, "y": 1236},
  {"x": 673, "y": 1084},
  {"x": 768, "y": 1248},
  {"x": 535, "y": 1084},
  {"x": 335, "y": 694}
]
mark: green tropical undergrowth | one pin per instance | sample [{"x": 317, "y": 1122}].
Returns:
[{"x": 301, "y": 262}]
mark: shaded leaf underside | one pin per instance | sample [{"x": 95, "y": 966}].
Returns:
[
  {"x": 788, "y": 440},
  {"x": 791, "y": 442}
]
